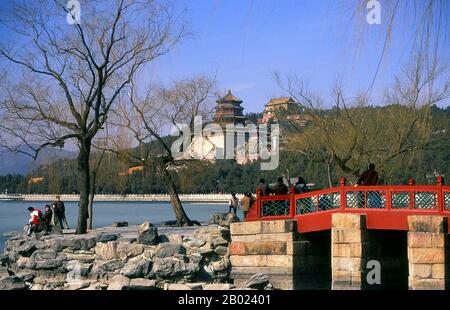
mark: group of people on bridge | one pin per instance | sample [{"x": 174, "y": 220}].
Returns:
[
  {"x": 368, "y": 178},
  {"x": 54, "y": 216}
]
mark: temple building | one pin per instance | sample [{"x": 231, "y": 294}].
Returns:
[
  {"x": 284, "y": 107},
  {"x": 213, "y": 143},
  {"x": 229, "y": 110}
]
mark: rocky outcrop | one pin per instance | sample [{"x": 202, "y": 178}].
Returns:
[
  {"x": 224, "y": 219},
  {"x": 147, "y": 234},
  {"x": 120, "y": 258},
  {"x": 13, "y": 283}
]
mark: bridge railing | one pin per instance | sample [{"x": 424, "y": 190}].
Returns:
[{"x": 411, "y": 197}]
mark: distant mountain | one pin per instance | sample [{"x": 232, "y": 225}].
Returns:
[{"x": 17, "y": 163}]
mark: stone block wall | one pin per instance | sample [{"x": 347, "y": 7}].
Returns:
[
  {"x": 348, "y": 250},
  {"x": 428, "y": 252},
  {"x": 291, "y": 260}
]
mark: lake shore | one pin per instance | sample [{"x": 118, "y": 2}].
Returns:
[
  {"x": 206, "y": 198},
  {"x": 136, "y": 257}
]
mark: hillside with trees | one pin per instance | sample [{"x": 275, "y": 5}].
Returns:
[{"x": 227, "y": 176}]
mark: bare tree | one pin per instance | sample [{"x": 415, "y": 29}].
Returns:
[
  {"x": 349, "y": 135},
  {"x": 150, "y": 117},
  {"x": 425, "y": 22},
  {"x": 63, "y": 80}
]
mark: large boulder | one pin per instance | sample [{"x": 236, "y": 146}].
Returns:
[
  {"x": 169, "y": 249},
  {"x": 143, "y": 284},
  {"x": 193, "y": 242},
  {"x": 206, "y": 231},
  {"x": 106, "y": 251},
  {"x": 81, "y": 256},
  {"x": 69, "y": 243},
  {"x": 224, "y": 219},
  {"x": 170, "y": 268},
  {"x": 46, "y": 259},
  {"x": 257, "y": 281},
  {"x": 136, "y": 268},
  {"x": 87, "y": 243},
  {"x": 13, "y": 244},
  {"x": 119, "y": 282},
  {"x": 102, "y": 267},
  {"x": 106, "y": 237},
  {"x": 147, "y": 234},
  {"x": 217, "y": 240},
  {"x": 77, "y": 269},
  {"x": 12, "y": 283},
  {"x": 175, "y": 238},
  {"x": 126, "y": 250},
  {"x": 27, "y": 248}
]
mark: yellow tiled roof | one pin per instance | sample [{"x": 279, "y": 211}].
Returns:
[
  {"x": 280, "y": 100},
  {"x": 229, "y": 97}
]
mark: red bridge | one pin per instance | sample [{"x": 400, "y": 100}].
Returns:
[{"x": 385, "y": 207}]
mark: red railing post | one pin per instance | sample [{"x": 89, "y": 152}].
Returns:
[
  {"x": 292, "y": 201},
  {"x": 388, "y": 199},
  {"x": 412, "y": 194},
  {"x": 440, "y": 193},
  {"x": 258, "y": 203},
  {"x": 343, "y": 198}
]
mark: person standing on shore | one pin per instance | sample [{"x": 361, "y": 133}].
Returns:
[
  {"x": 246, "y": 203},
  {"x": 48, "y": 215},
  {"x": 233, "y": 204},
  {"x": 60, "y": 210}
]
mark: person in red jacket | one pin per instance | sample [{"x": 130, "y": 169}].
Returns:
[{"x": 35, "y": 220}]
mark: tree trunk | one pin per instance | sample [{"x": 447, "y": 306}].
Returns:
[
  {"x": 181, "y": 217},
  {"x": 330, "y": 180},
  {"x": 91, "y": 198},
  {"x": 84, "y": 179}
]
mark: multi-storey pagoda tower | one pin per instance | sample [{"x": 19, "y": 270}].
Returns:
[{"x": 229, "y": 110}]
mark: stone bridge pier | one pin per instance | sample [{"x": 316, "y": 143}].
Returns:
[{"x": 349, "y": 256}]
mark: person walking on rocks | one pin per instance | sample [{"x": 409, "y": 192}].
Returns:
[
  {"x": 60, "y": 211},
  {"x": 233, "y": 204}
]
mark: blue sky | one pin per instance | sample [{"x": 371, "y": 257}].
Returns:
[{"x": 246, "y": 40}]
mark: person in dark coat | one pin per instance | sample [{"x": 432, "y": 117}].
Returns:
[
  {"x": 369, "y": 177},
  {"x": 233, "y": 204},
  {"x": 60, "y": 211},
  {"x": 280, "y": 188},
  {"x": 264, "y": 187},
  {"x": 300, "y": 186},
  {"x": 48, "y": 218}
]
